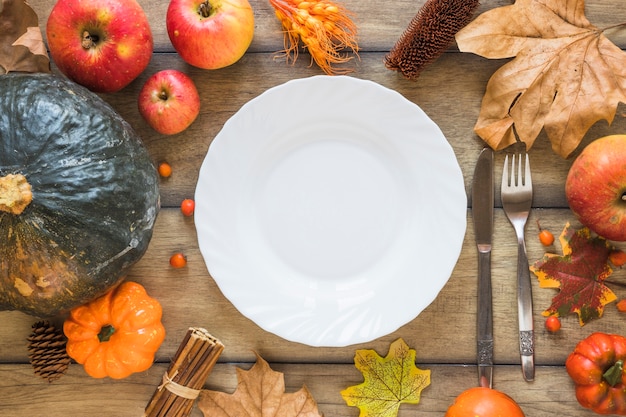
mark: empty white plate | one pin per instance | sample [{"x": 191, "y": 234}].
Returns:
[{"x": 330, "y": 210}]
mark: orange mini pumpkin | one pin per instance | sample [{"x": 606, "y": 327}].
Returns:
[
  {"x": 116, "y": 334},
  {"x": 484, "y": 402}
]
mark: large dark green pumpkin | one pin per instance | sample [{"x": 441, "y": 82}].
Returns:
[{"x": 94, "y": 189}]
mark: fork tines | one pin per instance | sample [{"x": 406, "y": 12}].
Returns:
[{"x": 518, "y": 180}]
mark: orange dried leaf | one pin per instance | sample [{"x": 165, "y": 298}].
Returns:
[
  {"x": 21, "y": 44},
  {"x": 389, "y": 381},
  {"x": 260, "y": 392},
  {"x": 566, "y": 75},
  {"x": 579, "y": 274}
]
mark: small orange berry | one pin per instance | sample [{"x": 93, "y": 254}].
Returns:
[
  {"x": 178, "y": 260},
  {"x": 621, "y": 305},
  {"x": 545, "y": 237},
  {"x": 165, "y": 170},
  {"x": 617, "y": 257},
  {"x": 187, "y": 207},
  {"x": 553, "y": 324}
]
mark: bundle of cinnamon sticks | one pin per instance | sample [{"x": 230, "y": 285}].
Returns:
[{"x": 190, "y": 367}]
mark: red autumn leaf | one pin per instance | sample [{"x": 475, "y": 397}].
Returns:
[
  {"x": 21, "y": 43},
  {"x": 579, "y": 274}
]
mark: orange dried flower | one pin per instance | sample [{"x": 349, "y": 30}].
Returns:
[{"x": 325, "y": 29}]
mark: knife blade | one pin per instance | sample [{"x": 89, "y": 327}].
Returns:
[{"x": 482, "y": 216}]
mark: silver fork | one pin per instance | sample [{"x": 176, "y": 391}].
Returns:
[{"x": 517, "y": 196}]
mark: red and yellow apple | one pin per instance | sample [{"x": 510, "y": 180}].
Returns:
[
  {"x": 210, "y": 34},
  {"x": 103, "y": 45},
  {"x": 169, "y": 101},
  {"x": 596, "y": 187}
]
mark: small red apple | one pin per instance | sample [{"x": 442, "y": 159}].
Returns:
[
  {"x": 102, "y": 45},
  {"x": 169, "y": 101},
  {"x": 596, "y": 187},
  {"x": 210, "y": 34}
]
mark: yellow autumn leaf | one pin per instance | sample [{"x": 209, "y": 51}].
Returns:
[
  {"x": 566, "y": 74},
  {"x": 388, "y": 382}
]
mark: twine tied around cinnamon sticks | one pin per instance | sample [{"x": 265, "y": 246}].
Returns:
[
  {"x": 177, "y": 389},
  {"x": 190, "y": 367}
]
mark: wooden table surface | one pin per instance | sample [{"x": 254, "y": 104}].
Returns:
[{"x": 450, "y": 92}]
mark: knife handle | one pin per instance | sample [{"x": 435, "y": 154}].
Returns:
[
  {"x": 525, "y": 313},
  {"x": 484, "y": 325}
]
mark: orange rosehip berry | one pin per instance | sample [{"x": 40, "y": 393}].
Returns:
[
  {"x": 178, "y": 260},
  {"x": 165, "y": 169},
  {"x": 617, "y": 257},
  {"x": 553, "y": 324},
  {"x": 621, "y": 305},
  {"x": 545, "y": 237},
  {"x": 187, "y": 207}
]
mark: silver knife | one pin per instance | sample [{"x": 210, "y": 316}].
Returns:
[{"x": 482, "y": 214}]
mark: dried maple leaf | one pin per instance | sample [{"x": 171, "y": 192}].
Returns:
[
  {"x": 566, "y": 75},
  {"x": 388, "y": 381},
  {"x": 21, "y": 43},
  {"x": 579, "y": 273},
  {"x": 259, "y": 393}
]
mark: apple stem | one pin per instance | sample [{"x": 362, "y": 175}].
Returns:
[
  {"x": 205, "y": 9},
  {"x": 89, "y": 40}
]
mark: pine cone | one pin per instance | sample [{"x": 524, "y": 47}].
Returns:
[{"x": 46, "y": 351}]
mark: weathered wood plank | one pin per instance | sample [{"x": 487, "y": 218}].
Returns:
[
  {"x": 76, "y": 394},
  {"x": 454, "y": 109},
  {"x": 190, "y": 297},
  {"x": 379, "y": 25},
  {"x": 450, "y": 92}
]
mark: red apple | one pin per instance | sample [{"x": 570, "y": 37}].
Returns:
[
  {"x": 596, "y": 187},
  {"x": 210, "y": 34},
  {"x": 169, "y": 101},
  {"x": 102, "y": 45}
]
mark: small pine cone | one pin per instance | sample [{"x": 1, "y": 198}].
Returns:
[{"x": 46, "y": 351}]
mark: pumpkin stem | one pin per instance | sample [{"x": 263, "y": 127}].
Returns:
[
  {"x": 105, "y": 333},
  {"x": 15, "y": 193},
  {"x": 613, "y": 375}
]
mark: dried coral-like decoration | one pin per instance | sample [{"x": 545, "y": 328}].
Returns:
[
  {"x": 428, "y": 35},
  {"x": 325, "y": 28}
]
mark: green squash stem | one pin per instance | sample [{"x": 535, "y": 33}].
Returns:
[
  {"x": 105, "y": 333},
  {"x": 613, "y": 375},
  {"x": 15, "y": 193}
]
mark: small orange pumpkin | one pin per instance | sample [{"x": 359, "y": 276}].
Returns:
[
  {"x": 116, "y": 334},
  {"x": 484, "y": 402}
]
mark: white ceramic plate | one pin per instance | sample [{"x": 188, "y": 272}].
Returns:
[{"x": 330, "y": 210}]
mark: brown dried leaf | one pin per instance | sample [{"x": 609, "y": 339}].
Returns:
[
  {"x": 565, "y": 77},
  {"x": 260, "y": 393},
  {"x": 21, "y": 44}
]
